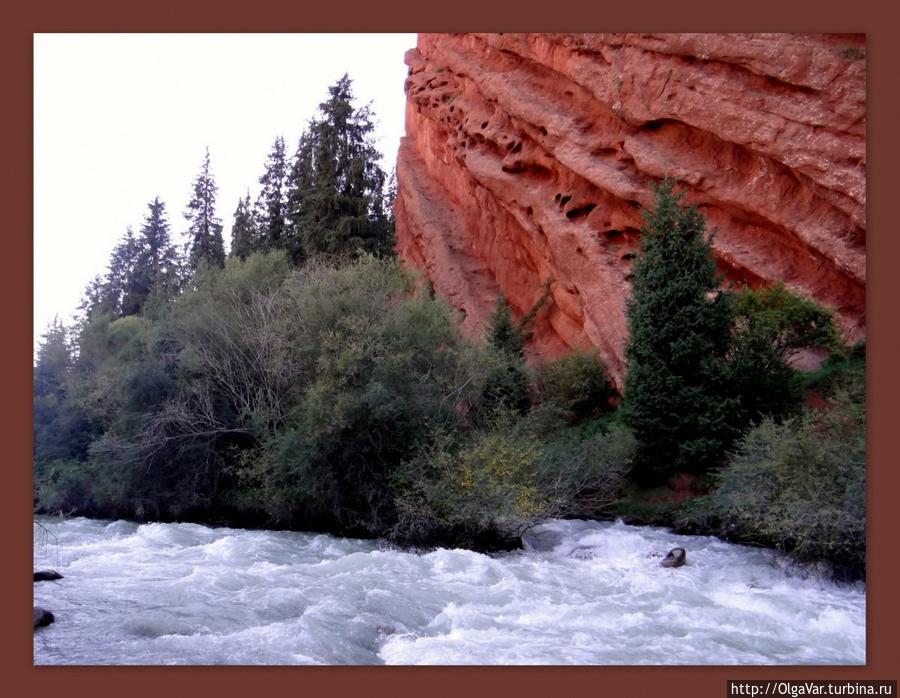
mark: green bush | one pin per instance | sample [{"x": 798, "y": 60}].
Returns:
[
  {"x": 480, "y": 492},
  {"x": 841, "y": 372},
  {"x": 582, "y": 475},
  {"x": 63, "y": 487},
  {"x": 378, "y": 369},
  {"x": 576, "y": 382},
  {"x": 771, "y": 326},
  {"x": 800, "y": 485}
]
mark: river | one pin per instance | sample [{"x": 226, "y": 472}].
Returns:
[{"x": 580, "y": 593}]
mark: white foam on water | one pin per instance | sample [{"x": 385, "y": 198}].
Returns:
[{"x": 580, "y": 592}]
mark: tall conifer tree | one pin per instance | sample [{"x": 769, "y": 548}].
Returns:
[
  {"x": 52, "y": 362},
  {"x": 337, "y": 197},
  {"x": 271, "y": 206},
  {"x": 53, "y": 437},
  {"x": 244, "y": 236},
  {"x": 676, "y": 397},
  {"x": 205, "y": 244},
  {"x": 157, "y": 266},
  {"x": 106, "y": 294}
]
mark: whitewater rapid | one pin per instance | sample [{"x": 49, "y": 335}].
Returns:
[{"x": 580, "y": 593}]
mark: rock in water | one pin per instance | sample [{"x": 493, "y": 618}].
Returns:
[
  {"x": 528, "y": 157},
  {"x": 676, "y": 558},
  {"x": 42, "y": 617},
  {"x": 47, "y": 575}
]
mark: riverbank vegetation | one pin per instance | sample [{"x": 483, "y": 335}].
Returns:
[{"x": 309, "y": 381}]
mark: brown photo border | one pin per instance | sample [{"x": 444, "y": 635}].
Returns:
[{"x": 19, "y": 23}]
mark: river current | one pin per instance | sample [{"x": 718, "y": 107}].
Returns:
[{"x": 579, "y": 593}]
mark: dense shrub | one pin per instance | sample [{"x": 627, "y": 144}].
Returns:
[
  {"x": 800, "y": 485},
  {"x": 64, "y": 486},
  {"x": 582, "y": 475},
  {"x": 476, "y": 492},
  {"x": 576, "y": 382},
  {"x": 772, "y": 326},
  {"x": 383, "y": 370}
]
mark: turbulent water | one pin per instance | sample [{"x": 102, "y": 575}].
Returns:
[{"x": 580, "y": 593}]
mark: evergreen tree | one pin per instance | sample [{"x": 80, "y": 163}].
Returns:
[
  {"x": 106, "y": 293},
  {"x": 53, "y": 362},
  {"x": 156, "y": 270},
  {"x": 507, "y": 383},
  {"x": 504, "y": 334},
  {"x": 337, "y": 187},
  {"x": 390, "y": 196},
  {"x": 57, "y": 426},
  {"x": 94, "y": 300},
  {"x": 243, "y": 232},
  {"x": 508, "y": 336},
  {"x": 123, "y": 265},
  {"x": 205, "y": 244},
  {"x": 271, "y": 206},
  {"x": 676, "y": 397}
]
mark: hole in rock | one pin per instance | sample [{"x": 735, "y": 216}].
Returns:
[
  {"x": 484, "y": 124},
  {"x": 580, "y": 211},
  {"x": 529, "y": 167},
  {"x": 657, "y": 124},
  {"x": 566, "y": 199}
]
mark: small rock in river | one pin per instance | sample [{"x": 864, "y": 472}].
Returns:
[
  {"x": 46, "y": 575},
  {"x": 42, "y": 617},
  {"x": 676, "y": 558}
]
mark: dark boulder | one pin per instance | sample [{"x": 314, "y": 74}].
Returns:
[
  {"x": 676, "y": 558},
  {"x": 42, "y": 617},
  {"x": 542, "y": 540},
  {"x": 46, "y": 575}
]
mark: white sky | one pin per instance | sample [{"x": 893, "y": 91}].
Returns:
[{"x": 122, "y": 118}]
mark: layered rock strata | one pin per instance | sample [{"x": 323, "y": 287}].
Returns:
[{"x": 529, "y": 157}]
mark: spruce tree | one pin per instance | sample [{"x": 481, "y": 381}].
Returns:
[
  {"x": 271, "y": 206},
  {"x": 337, "y": 187},
  {"x": 676, "y": 397},
  {"x": 504, "y": 334},
  {"x": 106, "y": 294},
  {"x": 243, "y": 231},
  {"x": 508, "y": 336},
  {"x": 53, "y": 363},
  {"x": 205, "y": 244},
  {"x": 157, "y": 266}
]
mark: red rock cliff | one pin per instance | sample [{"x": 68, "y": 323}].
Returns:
[{"x": 529, "y": 157}]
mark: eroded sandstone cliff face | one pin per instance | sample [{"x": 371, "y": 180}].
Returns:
[{"x": 528, "y": 157}]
